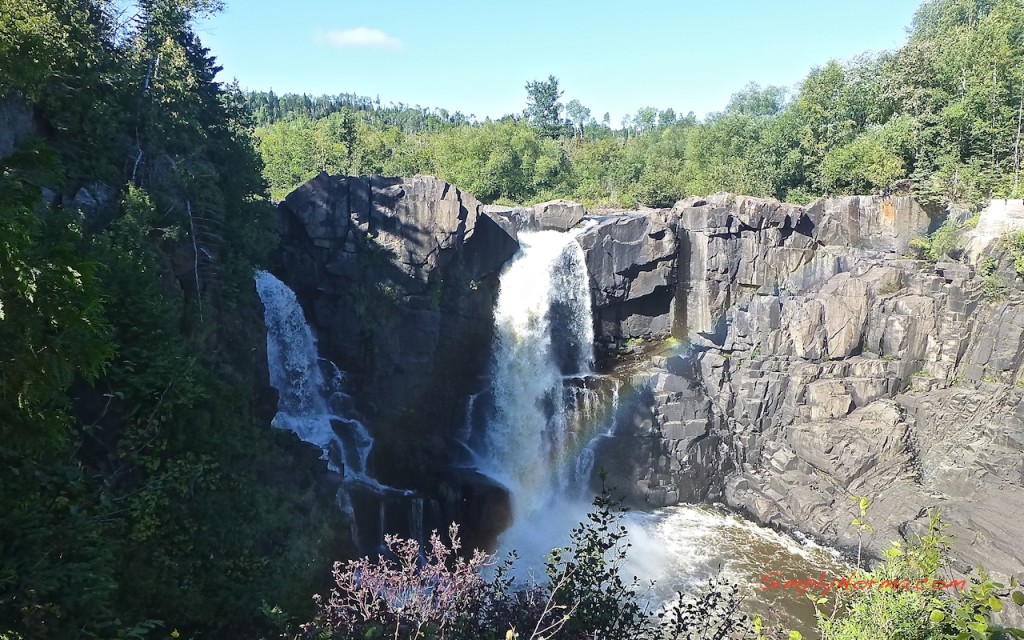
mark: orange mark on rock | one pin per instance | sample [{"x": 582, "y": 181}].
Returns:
[{"x": 888, "y": 210}]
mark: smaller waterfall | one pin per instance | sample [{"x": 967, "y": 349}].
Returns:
[
  {"x": 312, "y": 404},
  {"x": 416, "y": 517}
]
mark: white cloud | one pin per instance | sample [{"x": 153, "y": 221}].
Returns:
[{"x": 358, "y": 37}]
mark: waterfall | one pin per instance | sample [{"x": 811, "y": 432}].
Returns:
[
  {"x": 311, "y": 402},
  {"x": 543, "y": 342}
]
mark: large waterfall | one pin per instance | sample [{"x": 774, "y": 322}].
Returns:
[{"x": 541, "y": 378}]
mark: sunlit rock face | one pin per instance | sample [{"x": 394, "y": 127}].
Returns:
[{"x": 815, "y": 362}]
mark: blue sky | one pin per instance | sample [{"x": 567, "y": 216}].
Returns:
[{"x": 613, "y": 56}]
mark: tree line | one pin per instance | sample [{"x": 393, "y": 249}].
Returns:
[{"x": 940, "y": 118}]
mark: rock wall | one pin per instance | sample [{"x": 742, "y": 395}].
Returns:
[
  {"x": 784, "y": 359},
  {"x": 398, "y": 278},
  {"x": 813, "y": 363}
]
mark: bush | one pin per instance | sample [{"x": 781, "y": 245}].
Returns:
[
  {"x": 1014, "y": 245},
  {"x": 925, "y": 614},
  {"x": 443, "y": 595},
  {"x": 943, "y": 243},
  {"x": 401, "y": 595}
]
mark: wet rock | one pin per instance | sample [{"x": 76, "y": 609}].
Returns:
[{"x": 15, "y": 123}]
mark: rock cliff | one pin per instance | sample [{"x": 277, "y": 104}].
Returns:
[
  {"x": 816, "y": 363},
  {"x": 399, "y": 278},
  {"x": 783, "y": 359}
]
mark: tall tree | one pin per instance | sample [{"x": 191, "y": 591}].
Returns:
[
  {"x": 543, "y": 108},
  {"x": 578, "y": 116}
]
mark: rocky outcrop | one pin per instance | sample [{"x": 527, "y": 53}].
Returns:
[
  {"x": 631, "y": 260},
  {"x": 554, "y": 215},
  {"x": 816, "y": 364},
  {"x": 784, "y": 359},
  {"x": 998, "y": 218},
  {"x": 399, "y": 279},
  {"x": 888, "y": 224}
]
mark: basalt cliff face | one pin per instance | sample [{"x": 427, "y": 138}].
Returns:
[
  {"x": 778, "y": 358},
  {"x": 818, "y": 365}
]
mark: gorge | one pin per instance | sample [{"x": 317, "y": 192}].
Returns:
[{"x": 777, "y": 358}]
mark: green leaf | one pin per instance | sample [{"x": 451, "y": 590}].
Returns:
[
  {"x": 937, "y": 616},
  {"x": 796, "y": 635},
  {"x": 995, "y": 604},
  {"x": 1018, "y": 598}
]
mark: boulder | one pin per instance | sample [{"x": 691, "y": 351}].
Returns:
[
  {"x": 555, "y": 215},
  {"x": 631, "y": 261}
]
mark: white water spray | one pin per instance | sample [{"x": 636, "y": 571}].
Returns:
[
  {"x": 310, "y": 404},
  {"x": 543, "y": 333}
]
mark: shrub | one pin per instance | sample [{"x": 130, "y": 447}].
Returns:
[
  {"x": 943, "y": 243},
  {"x": 409, "y": 595},
  {"x": 401, "y": 595},
  {"x": 994, "y": 288},
  {"x": 911, "y": 613},
  {"x": 1014, "y": 244}
]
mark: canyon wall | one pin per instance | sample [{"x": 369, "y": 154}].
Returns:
[
  {"x": 815, "y": 364},
  {"x": 783, "y": 359}
]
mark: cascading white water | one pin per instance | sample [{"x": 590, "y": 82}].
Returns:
[
  {"x": 543, "y": 334},
  {"x": 310, "y": 404},
  {"x": 549, "y": 405}
]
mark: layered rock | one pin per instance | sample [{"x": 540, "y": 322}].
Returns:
[
  {"x": 784, "y": 359},
  {"x": 631, "y": 261}
]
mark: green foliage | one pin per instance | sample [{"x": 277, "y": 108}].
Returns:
[
  {"x": 713, "y": 612},
  {"x": 872, "y": 162},
  {"x": 939, "y": 117},
  {"x": 51, "y": 324},
  {"x": 995, "y": 288},
  {"x": 588, "y": 576},
  {"x": 910, "y": 599},
  {"x": 543, "y": 108},
  {"x": 1014, "y": 245},
  {"x": 138, "y": 480},
  {"x": 503, "y": 161},
  {"x": 945, "y": 242}
]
